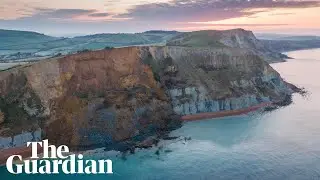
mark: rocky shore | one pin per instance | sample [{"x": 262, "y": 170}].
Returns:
[{"x": 225, "y": 113}]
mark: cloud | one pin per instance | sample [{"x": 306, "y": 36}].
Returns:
[
  {"x": 61, "y": 13},
  {"x": 248, "y": 25},
  {"x": 99, "y": 15},
  {"x": 87, "y": 16},
  {"x": 40, "y": 14},
  {"x": 208, "y": 26},
  {"x": 280, "y": 14},
  {"x": 209, "y": 10}
]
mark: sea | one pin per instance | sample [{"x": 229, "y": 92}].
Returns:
[{"x": 278, "y": 145}]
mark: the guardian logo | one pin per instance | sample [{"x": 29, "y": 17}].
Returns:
[{"x": 57, "y": 162}]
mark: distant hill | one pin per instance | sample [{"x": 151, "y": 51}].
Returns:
[
  {"x": 23, "y": 40},
  {"x": 10, "y": 38},
  {"x": 299, "y": 38},
  {"x": 124, "y": 39},
  {"x": 161, "y": 32},
  {"x": 266, "y": 36},
  {"x": 25, "y": 45},
  {"x": 291, "y": 45},
  {"x": 16, "y": 45},
  {"x": 283, "y": 43}
]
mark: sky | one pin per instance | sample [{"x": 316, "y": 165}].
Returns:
[{"x": 79, "y": 17}]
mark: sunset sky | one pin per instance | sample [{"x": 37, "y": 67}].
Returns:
[{"x": 68, "y": 17}]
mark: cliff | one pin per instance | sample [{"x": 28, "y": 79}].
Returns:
[
  {"x": 234, "y": 38},
  {"x": 105, "y": 97},
  {"x": 82, "y": 100},
  {"x": 201, "y": 80}
]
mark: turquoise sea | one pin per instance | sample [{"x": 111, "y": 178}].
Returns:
[{"x": 283, "y": 144}]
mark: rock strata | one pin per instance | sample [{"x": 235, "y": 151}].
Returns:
[{"x": 103, "y": 98}]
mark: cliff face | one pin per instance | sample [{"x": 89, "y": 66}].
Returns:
[
  {"x": 109, "y": 96},
  {"x": 86, "y": 99},
  {"x": 200, "y": 80}
]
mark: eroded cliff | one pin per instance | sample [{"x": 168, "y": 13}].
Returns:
[
  {"x": 209, "y": 80},
  {"x": 85, "y": 99},
  {"x": 104, "y": 97}
]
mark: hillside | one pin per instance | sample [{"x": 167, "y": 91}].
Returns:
[
  {"x": 97, "y": 41},
  {"x": 292, "y": 44},
  {"x": 283, "y": 43},
  {"x": 299, "y": 38},
  {"x": 31, "y": 46},
  {"x": 16, "y": 45},
  {"x": 11, "y": 39},
  {"x": 269, "y": 36},
  {"x": 235, "y": 38}
]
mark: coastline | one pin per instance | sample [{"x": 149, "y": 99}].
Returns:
[
  {"x": 25, "y": 152},
  {"x": 201, "y": 116}
]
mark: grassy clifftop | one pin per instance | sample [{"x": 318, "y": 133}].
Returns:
[
  {"x": 25, "y": 40},
  {"x": 234, "y": 38}
]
